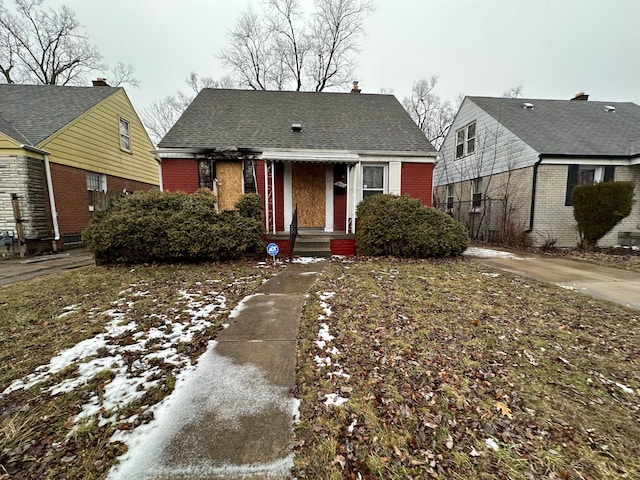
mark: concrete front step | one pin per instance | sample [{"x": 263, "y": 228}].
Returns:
[{"x": 312, "y": 246}]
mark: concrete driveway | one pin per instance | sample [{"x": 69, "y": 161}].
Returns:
[
  {"x": 19, "y": 269},
  {"x": 616, "y": 285}
]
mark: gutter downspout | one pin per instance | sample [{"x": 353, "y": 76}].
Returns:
[
  {"x": 534, "y": 185},
  {"x": 52, "y": 204}
]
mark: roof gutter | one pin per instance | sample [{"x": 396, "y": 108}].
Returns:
[
  {"x": 534, "y": 185},
  {"x": 52, "y": 199},
  {"x": 52, "y": 203}
]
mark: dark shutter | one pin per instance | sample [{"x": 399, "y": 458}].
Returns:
[
  {"x": 572, "y": 181},
  {"x": 609, "y": 173}
]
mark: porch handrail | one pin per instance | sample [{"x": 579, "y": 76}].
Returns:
[{"x": 293, "y": 233}]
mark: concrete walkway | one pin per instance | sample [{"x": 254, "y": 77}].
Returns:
[
  {"x": 232, "y": 417},
  {"x": 613, "y": 284},
  {"x": 19, "y": 269}
]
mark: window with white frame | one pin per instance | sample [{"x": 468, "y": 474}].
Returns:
[
  {"x": 476, "y": 193},
  {"x": 466, "y": 140},
  {"x": 125, "y": 135},
  {"x": 96, "y": 182},
  {"x": 450, "y": 189},
  {"x": 373, "y": 180}
]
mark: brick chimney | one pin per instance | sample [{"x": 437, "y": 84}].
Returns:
[
  {"x": 355, "y": 88},
  {"x": 100, "y": 82},
  {"x": 581, "y": 96}
]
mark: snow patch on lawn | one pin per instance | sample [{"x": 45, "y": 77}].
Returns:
[
  {"x": 323, "y": 358},
  {"x": 127, "y": 353},
  {"x": 489, "y": 253},
  {"x": 307, "y": 260}
]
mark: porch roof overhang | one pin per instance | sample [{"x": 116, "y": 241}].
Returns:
[{"x": 311, "y": 156}]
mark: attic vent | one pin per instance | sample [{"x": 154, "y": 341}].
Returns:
[
  {"x": 609, "y": 108},
  {"x": 527, "y": 106},
  {"x": 296, "y": 127}
]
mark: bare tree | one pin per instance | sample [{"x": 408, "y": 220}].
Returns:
[
  {"x": 432, "y": 115},
  {"x": 337, "y": 28},
  {"x": 46, "y": 46},
  {"x": 514, "y": 92},
  {"x": 162, "y": 114},
  {"x": 280, "y": 50},
  {"x": 121, "y": 74}
]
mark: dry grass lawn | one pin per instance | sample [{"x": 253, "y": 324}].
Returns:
[{"x": 448, "y": 369}]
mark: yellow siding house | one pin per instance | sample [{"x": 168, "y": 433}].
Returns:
[{"x": 61, "y": 150}]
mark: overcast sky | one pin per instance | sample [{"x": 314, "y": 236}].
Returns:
[{"x": 553, "y": 48}]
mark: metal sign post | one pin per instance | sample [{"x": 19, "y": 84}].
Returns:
[{"x": 273, "y": 249}]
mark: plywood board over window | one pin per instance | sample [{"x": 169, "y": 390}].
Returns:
[
  {"x": 229, "y": 175},
  {"x": 309, "y": 191}
]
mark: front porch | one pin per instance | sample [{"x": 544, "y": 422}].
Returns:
[{"x": 314, "y": 242}]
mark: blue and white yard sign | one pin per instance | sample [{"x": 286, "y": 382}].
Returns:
[{"x": 273, "y": 249}]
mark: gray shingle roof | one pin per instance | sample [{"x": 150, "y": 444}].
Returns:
[
  {"x": 569, "y": 127},
  {"x": 219, "y": 119},
  {"x": 33, "y": 113}
]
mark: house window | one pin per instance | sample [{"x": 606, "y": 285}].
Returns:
[
  {"x": 96, "y": 182},
  {"x": 450, "y": 198},
  {"x": 466, "y": 140},
  {"x": 125, "y": 135},
  {"x": 372, "y": 180},
  {"x": 249, "y": 176},
  {"x": 206, "y": 174},
  {"x": 476, "y": 193},
  {"x": 586, "y": 175}
]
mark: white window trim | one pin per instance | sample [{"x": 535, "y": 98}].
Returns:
[
  {"x": 385, "y": 178},
  {"x": 465, "y": 140},
  {"x": 103, "y": 184},
  {"x": 476, "y": 189},
  {"x": 449, "y": 195},
  {"x": 123, "y": 135}
]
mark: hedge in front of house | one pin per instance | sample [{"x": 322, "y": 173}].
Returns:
[
  {"x": 599, "y": 207},
  {"x": 159, "y": 226},
  {"x": 403, "y": 227}
]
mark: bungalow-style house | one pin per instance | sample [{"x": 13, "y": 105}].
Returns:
[
  {"x": 60, "y": 147},
  {"x": 319, "y": 153},
  {"x": 508, "y": 166}
]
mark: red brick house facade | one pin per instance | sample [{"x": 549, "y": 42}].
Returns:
[{"x": 318, "y": 154}]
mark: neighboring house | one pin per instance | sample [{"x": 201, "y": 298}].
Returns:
[
  {"x": 509, "y": 165},
  {"x": 61, "y": 148},
  {"x": 320, "y": 152}
]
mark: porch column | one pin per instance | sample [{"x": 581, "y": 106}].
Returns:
[
  {"x": 288, "y": 196},
  {"x": 328, "y": 206}
]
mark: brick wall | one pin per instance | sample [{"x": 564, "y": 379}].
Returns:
[
  {"x": 25, "y": 177},
  {"x": 416, "y": 181},
  {"x": 180, "y": 175},
  {"x": 72, "y": 202}
]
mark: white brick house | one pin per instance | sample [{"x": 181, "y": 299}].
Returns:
[{"x": 508, "y": 166}]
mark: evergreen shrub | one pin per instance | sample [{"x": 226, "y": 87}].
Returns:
[
  {"x": 599, "y": 207},
  {"x": 156, "y": 226},
  {"x": 403, "y": 227}
]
